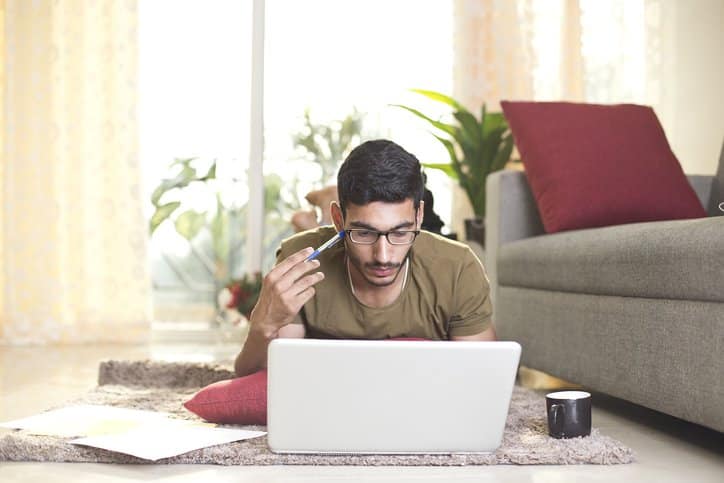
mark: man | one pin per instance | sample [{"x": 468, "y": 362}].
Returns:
[{"x": 387, "y": 279}]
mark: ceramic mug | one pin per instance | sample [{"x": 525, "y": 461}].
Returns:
[{"x": 569, "y": 414}]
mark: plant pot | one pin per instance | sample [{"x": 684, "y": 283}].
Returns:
[{"x": 475, "y": 230}]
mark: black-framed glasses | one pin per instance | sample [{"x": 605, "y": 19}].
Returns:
[{"x": 364, "y": 236}]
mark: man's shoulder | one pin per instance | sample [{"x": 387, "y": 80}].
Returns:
[
  {"x": 308, "y": 238},
  {"x": 442, "y": 265},
  {"x": 438, "y": 247}
]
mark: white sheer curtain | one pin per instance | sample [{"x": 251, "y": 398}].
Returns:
[
  {"x": 564, "y": 50},
  {"x": 73, "y": 262},
  {"x": 576, "y": 50}
]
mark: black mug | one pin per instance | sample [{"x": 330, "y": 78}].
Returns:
[{"x": 569, "y": 414}]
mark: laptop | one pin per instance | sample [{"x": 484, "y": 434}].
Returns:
[{"x": 396, "y": 397}]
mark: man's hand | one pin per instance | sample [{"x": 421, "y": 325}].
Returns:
[{"x": 284, "y": 291}]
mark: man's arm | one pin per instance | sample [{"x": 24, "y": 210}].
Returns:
[
  {"x": 284, "y": 291},
  {"x": 473, "y": 309},
  {"x": 486, "y": 335},
  {"x": 252, "y": 357}
]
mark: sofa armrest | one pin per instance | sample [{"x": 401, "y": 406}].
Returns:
[
  {"x": 511, "y": 214},
  {"x": 707, "y": 191}
]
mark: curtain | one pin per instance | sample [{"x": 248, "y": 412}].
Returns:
[
  {"x": 73, "y": 238},
  {"x": 493, "y": 55},
  {"x": 563, "y": 50},
  {"x": 571, "y": 50}
]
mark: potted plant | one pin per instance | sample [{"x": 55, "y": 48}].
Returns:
[
  {"x": 477, "y": 147},
  {"x": 209, "y": 214},
  {"x": 328, "y": 144},
  {"x": 173, "y": 200}
]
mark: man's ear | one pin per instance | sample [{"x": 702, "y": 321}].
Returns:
[
  {"x": 336, "y": 212},
  {"x": 420, "y": 214}
]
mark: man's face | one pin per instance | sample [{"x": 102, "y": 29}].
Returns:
[{"x": 379, "y": 264}]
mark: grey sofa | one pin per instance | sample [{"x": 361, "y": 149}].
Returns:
[{"x": 635, "y": 311}]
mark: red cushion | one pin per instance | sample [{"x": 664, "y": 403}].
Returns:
[
  {"x": 594, "y": 165},
  {"x": 235, "y": 401}
]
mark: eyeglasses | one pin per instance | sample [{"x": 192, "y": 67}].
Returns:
[{"x": 363, "y": 236}]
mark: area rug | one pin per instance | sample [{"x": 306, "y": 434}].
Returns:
[{"x": 165, "y": 386}]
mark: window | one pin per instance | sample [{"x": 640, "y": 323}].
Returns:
[
  {"x": 195, "y": 63},
  {"x": 333, "y": 57},
  {"x": 326, "y": 56}
]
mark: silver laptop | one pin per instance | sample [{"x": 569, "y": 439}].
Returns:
[{"x": 349, "y": 396}]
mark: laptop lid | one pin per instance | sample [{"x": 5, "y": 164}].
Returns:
[{"x": 350, "y": 396}]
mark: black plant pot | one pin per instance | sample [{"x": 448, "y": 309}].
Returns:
[{"x": 475, "y": 230}]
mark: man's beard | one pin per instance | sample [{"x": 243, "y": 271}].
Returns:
[{"x": 359, "y": 266}]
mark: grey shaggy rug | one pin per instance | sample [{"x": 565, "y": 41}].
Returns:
[{"x": 165, "y": 386}]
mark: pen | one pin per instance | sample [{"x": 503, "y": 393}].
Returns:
[{"x": 328, "y": 244}]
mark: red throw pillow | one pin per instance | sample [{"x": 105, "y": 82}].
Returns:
[
  {"x": 592, "y": 165},
  {"x": 235, "y": 401}
]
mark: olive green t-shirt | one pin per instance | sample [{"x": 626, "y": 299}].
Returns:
[{"x": 447, "y": 293}]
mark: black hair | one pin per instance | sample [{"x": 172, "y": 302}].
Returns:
[{"x": 379, "y": 170}]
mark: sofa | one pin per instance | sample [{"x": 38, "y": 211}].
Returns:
[{"x": 635, "y": 311}]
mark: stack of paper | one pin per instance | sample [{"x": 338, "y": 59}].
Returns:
[{"x": 146, "y": 434}]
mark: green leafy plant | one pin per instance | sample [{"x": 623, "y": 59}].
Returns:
[
  {"x": 174, "y": 195},
  {"x": 477, "y": 147},
  {"x": 328, "y": 144},
  {"x": 177, "y": 199}
]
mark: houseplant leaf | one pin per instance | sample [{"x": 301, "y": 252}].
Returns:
[
  {"x": 449, "y": 129},
  {"x": 446, "y": 168},
  {"x": 493, "y": 121},
  {"x": 162, "y": 212},
  {"x": 211, "y": 173},
  {"x": 220, "y": 234},
  {"x": 439, "y": 97},
  {"x": 182, "y": 179},
  {"x": 503, "y": 156},
  {"x": 454, "y": 162},
  {"x": 476, "y": 147},
  {"x": 189, "y": 224},
  {"x": 272, "y": 190},
  {"x": 491, "y": 147},
  {"x": 470, "y": 125}
]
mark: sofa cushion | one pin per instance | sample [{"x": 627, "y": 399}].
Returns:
[
  {"x": 599, "y": 165},
  {"x": 681, "y": 259}
]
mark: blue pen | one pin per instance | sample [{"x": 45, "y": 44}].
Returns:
[{"x": 328, "y": 244}]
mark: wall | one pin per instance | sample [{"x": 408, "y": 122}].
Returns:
[{"x": 694, "y": 84}]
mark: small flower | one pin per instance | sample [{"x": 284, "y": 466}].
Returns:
[
  {"x": 236, "y": 293},
  {"x": 241, "y": 295},
  {"x": 225, "y": 298}
]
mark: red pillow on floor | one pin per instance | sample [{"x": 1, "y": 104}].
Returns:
[
  {"x": 592, "y": 165},
  {"x": 234, "y": 401}
]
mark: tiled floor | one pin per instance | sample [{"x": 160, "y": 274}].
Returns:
[{"x": 32, "y": 379}]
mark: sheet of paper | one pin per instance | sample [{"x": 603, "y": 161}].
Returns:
[
  {"x": 153, "y": 442},
  {"x": 85, "y": 420}
]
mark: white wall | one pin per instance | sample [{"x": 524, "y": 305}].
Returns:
[{"x": 694, "y": 85}]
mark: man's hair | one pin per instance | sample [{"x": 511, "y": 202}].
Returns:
[{"x": 379, "y": 170}]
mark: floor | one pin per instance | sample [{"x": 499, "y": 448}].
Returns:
[{"x": 34, "y": 378}]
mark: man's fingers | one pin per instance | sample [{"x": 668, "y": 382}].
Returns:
[
  {"x": 305, "y": 282},
  {"x": 280, "y": 278},
  {"x": 297, "y": 272},
  {"x": 291, "y": 261},
  {"x": 305, "y": 296},
  {"x": 300, "y": 293}
]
